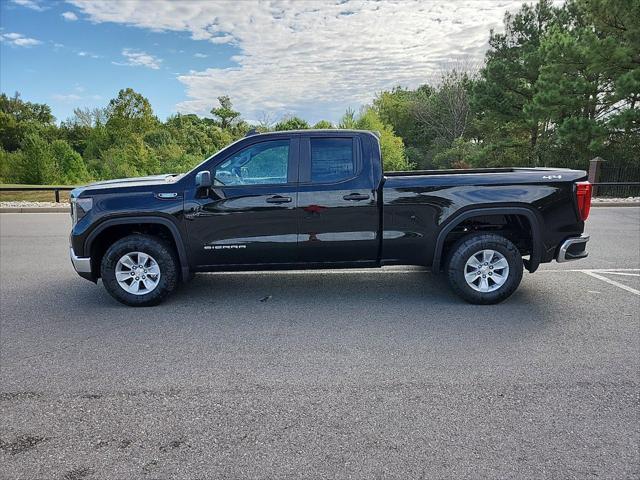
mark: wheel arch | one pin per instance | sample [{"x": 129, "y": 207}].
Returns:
[
  {"x": 148, "y": 220},
  {"x": 531, "y": 217}
]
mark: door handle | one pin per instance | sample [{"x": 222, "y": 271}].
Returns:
[
  {"x": 356, "y": 196},
  {"x": 279, "y": 199}
]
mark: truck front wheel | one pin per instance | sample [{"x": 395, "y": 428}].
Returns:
[
  {"x": 484, "y": 268},
  {"x": 139, "y": 270}
]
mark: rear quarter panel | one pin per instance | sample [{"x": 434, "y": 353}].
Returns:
[{"x": 417, "y": 208}]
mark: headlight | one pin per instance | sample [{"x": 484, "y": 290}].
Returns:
[{"x": 80, "y": 207}]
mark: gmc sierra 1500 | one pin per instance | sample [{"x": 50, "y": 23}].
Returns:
[{"x": 319, "y": 199}]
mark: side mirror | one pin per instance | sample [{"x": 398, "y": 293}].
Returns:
[{"x": 203, "y": 179}]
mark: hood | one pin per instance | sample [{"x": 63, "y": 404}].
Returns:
[{"x": 127, "y": 182}]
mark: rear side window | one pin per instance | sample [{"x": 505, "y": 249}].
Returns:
[{"x": 332, "y": 159}]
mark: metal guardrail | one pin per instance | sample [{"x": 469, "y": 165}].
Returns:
[
  {"x": 56, "y": 190},
  {"x": 616, "y": 184}
]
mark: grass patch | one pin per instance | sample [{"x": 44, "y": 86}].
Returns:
[{"x": 33, "y": 195}]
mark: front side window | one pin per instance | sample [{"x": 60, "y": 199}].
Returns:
[
  {"x": 332, "y": 159},
  {"x": 264, "y": 163}
]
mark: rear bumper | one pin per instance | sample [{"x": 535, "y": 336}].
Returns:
[{"x": 573, "y": 249}]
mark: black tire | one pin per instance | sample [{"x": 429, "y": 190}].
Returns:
[
  {"x": 161, "y": 252},
  {"x": 471, "y": 245}
]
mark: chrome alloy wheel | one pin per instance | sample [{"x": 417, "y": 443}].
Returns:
[
  {"x": 137, "y": 273},
  {"x": 486, "y": 270}
]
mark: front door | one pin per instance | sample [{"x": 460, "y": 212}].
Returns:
[{"x": 248, "y": 216}]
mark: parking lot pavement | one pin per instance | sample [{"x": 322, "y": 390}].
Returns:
[{"x": 342, "y": 374}]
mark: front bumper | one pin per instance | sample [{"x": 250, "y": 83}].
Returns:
[
  {"x": 573, "y": 248},
  {"x": 80, "y": 264}
]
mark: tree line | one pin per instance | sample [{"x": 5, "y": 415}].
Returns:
[{"x": 560, "y": 86}]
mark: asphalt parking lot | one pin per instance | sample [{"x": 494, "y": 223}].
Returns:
[{"x": 337, "y": 374}]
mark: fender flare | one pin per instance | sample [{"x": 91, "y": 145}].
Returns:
[
  {"x": 173, "y": 228},
  {"x": 534, "y": 222}
]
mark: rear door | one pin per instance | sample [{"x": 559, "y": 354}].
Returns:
[
  {"x": 249, "y": 215},
  {"x": 337, "y": 205}
]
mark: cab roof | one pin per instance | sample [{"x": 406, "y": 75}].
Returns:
[{"x": 320, "y": 131}]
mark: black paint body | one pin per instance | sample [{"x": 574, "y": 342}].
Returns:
[{"x": 370, "y": 219}]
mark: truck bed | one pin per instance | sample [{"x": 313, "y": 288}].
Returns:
[
  {"x": 462, "y": 171},
  {"x": 470, "y": 171},
  {"x": 483, "y": 176}
]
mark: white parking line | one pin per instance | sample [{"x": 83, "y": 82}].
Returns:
[
  {"x": 626, "y": 274},
  {"x": 591, "y": 273},
  {"x": 582, "y": 270},
  {"x": 387, "y": 270}
]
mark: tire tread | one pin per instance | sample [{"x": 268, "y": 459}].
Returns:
[
  {"x": 156, "y": 247},
  {"x": 462, "y": 250}
]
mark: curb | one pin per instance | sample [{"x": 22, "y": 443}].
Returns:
[
  {"x": 615, "y": 204},
  {"x": 66, "y": 210},
  {"x": 34, "y": 210}
]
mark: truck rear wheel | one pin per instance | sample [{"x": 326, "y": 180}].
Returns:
[
  {"x": 139, "y": 270},
  {"x": 484, "y": 268}
]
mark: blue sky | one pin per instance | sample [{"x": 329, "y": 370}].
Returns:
[
  {"x": 274, "y": 58},
  {"x": 74, "y": 63}
]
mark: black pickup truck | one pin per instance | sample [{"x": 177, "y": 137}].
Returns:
[{"x": 319, "y": 199}]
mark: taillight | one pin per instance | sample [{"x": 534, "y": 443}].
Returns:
[{"x": 583, "y": 196}]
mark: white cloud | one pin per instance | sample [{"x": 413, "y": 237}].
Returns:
[
  {"x": 18, "y": 40},
  {"x": 72, "y": 17},
  {"x": 77, "y": 93},
  {"x": 66, "y": 97},
  {"x": 88, "y": 54},
  {"x": 137, "y": 58},
  {"x": 200, "y": 55},
  {"x": 314, "y": 56},
  {"x": 32, "y": 4}
]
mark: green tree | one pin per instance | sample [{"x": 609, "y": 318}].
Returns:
[
  {"x": 348, "y": 120},
  {"x": 129, "y": 113},
  {"x": 446, "y": 113},
  {"x": 197, "y": 136},
  {"x": 69, "y": 165},
  {"x": 391, "y": 146},
  {"x": 130, "y": 159},
  {"x": 323, "y": 124},
  {"x": 291, "y": 123},
  {"x": 38, "y": 165},
  {"x": 26, "y": 111},
  {"x": 225, "y": 113},
  {"x": 11, "y": 166},
  {"x": 398, "y": 109},
  {"x": 19, "y": 119},
  {"x": 508, "y": 84},
  {"x": 173, "y": 159},
  {"x": 460, "y": 154},
  {"x": 589, "y": 84}
]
